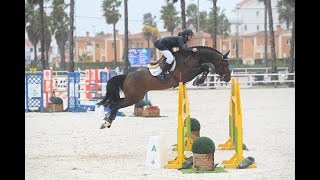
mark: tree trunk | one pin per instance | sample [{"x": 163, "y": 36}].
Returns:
[
  {"x": 63, "y": 60},
  {"x": 35, "y": 54},
  {"x": 273, "y": 50},
  {"x": 114, "y": 45},
  {"x": 183, "y": 13},
  {"x": 47, "y": 58},
  {"x": 42, "y": 35},
  {"x": 291, "y": 64},
  {"x": 126, "y": 43},
  {"x": 71, "y": 36},
  {"x": 214, "y": 29},
  {"x": 265, "y": 34}
]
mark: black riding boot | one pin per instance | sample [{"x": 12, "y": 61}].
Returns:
[{"x": 163, "y": 73}]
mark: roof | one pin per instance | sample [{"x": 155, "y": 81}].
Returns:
[
  {"x": 276, "y": 32},
  {"x": 27, "y": 42},
  {"x": 242, "y": 3}
]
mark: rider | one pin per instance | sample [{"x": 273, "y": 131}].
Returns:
[{"x": 166, "y": 45}]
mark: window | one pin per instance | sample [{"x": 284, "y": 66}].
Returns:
[
  {"x": 258, "y": 28},
  {"x": 234, "y": 46},
  {"x": 224, "y": 47},
  {"x": 97, "y": 45},
  {"x": 288, "y": 42},
  {"x": 39, "y": 49},
  {"x": 245, "y": 27},
  {"x": 141, "y": 45},
  {"x": 31, "y": 49},
  {"x": 257, "y": 13}
]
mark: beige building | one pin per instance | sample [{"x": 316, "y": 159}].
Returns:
[{"x": 251, "y": 46}]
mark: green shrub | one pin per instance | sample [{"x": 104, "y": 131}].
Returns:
[
  {"x": 56, "y": 100},
  {"x": 203, "y": 145},
  {"x": 195, "y": 124},
  {"x": 142, "y": 103}
]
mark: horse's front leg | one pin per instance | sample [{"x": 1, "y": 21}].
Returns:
[{"x": 205, "y": 70}]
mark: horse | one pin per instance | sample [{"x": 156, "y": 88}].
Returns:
[{"x": 136, "y": 84}]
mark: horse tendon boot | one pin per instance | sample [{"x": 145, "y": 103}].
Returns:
[{"x": 162, "y": 75}]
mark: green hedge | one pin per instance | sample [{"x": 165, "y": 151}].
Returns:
[
  {"x": 203, "y": 145},
  {"x": 81, "y": 65}
]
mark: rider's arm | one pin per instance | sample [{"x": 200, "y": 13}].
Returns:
[{"x": 183, "y": 46}]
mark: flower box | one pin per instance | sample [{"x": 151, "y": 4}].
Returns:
[
  {"x": 147, "y": 112},
  {"x": 55, "y": 107},
  {"x": 138, "y": 111},
  {"x": 203, "y": 161}
]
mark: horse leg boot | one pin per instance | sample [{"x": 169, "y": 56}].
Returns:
[
  {"x": 110, "y": 116},
  {"x": 109, "y": 119},
  {"x": 163, "y": 73}
]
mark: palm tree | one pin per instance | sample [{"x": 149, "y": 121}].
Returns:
[
  {"x": 148, "y": 19},
  {"x": 147, "y": 32},
  {"x": 112, "y": 16},
  {"x": 214, "y": 22},
  {"x": 126, "y": 41},
  {"x": 170, "y": 18},
  {"x": 265, "y": 57},
  {"x": 47, "y": 40},
  {"x": 223, "y": 26},
  {"x": 183, "y": 12},
  {"x": 100, "y": 33},
  {"x": 40, "y": 2},
  {"x": 155, "y": 35},
  {"x": 60, "y": 24},
  {"x": 273, "y": 50},
  {"x": 71, "y": 38},
  {"x": 192, "y": 10},
  {"x": 33, "y": 26},
  {"x": 286, "y": 12},
  {"x": 286, "y": 9}
]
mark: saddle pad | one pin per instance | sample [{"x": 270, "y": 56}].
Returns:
[{"x": 157, "y": 71}]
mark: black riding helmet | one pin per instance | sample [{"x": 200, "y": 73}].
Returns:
[{"x": 186, "y": 32}]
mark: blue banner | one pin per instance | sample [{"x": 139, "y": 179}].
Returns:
[{"x": 139, "y": 56}]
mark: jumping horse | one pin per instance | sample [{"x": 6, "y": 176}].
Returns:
[{"x": 136, "y": 84}]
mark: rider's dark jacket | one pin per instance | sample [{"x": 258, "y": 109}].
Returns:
[{"x": 169, "y": 42}]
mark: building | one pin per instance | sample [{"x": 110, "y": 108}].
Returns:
[
  {"x": 29, "y": 50},
  {"x": 251, "y": 45},
  {"x": 249, "y": 14}
]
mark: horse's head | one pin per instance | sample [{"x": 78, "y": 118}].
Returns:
[
  {"x": 222, "y": 67},
  {"x": 219, "y": 60}
]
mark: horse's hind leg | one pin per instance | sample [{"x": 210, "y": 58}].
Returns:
[
  {"x": 113, "y": 110},
  {"x": 111, "y": 115}
]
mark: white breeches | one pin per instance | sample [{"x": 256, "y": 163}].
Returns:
[{"x": 168, "y": 55}]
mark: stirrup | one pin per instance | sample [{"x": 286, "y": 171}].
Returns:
[{"x": 162, "y": 77}]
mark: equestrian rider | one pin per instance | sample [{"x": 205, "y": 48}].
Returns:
[{"x": 166, "y": 45}]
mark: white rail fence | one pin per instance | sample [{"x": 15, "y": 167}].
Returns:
[{"x": 247, "y": 80}]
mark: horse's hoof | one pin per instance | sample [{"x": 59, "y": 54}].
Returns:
[{"x": 104, "y": 125}]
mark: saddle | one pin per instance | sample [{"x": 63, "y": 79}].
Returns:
[{"x": 160, "y": 62}]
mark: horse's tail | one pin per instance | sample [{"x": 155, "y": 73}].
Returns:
[{"x": 113, "y": 88}]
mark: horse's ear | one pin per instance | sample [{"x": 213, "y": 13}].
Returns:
[{"x": 225, "y": 56}]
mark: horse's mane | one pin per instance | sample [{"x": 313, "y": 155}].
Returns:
[{"x": 206, "y": 47}]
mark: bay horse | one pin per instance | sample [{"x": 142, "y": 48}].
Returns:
[{"x": 136, "y": 84}]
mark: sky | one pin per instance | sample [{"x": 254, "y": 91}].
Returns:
[{"x": 89, "y": 14}]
